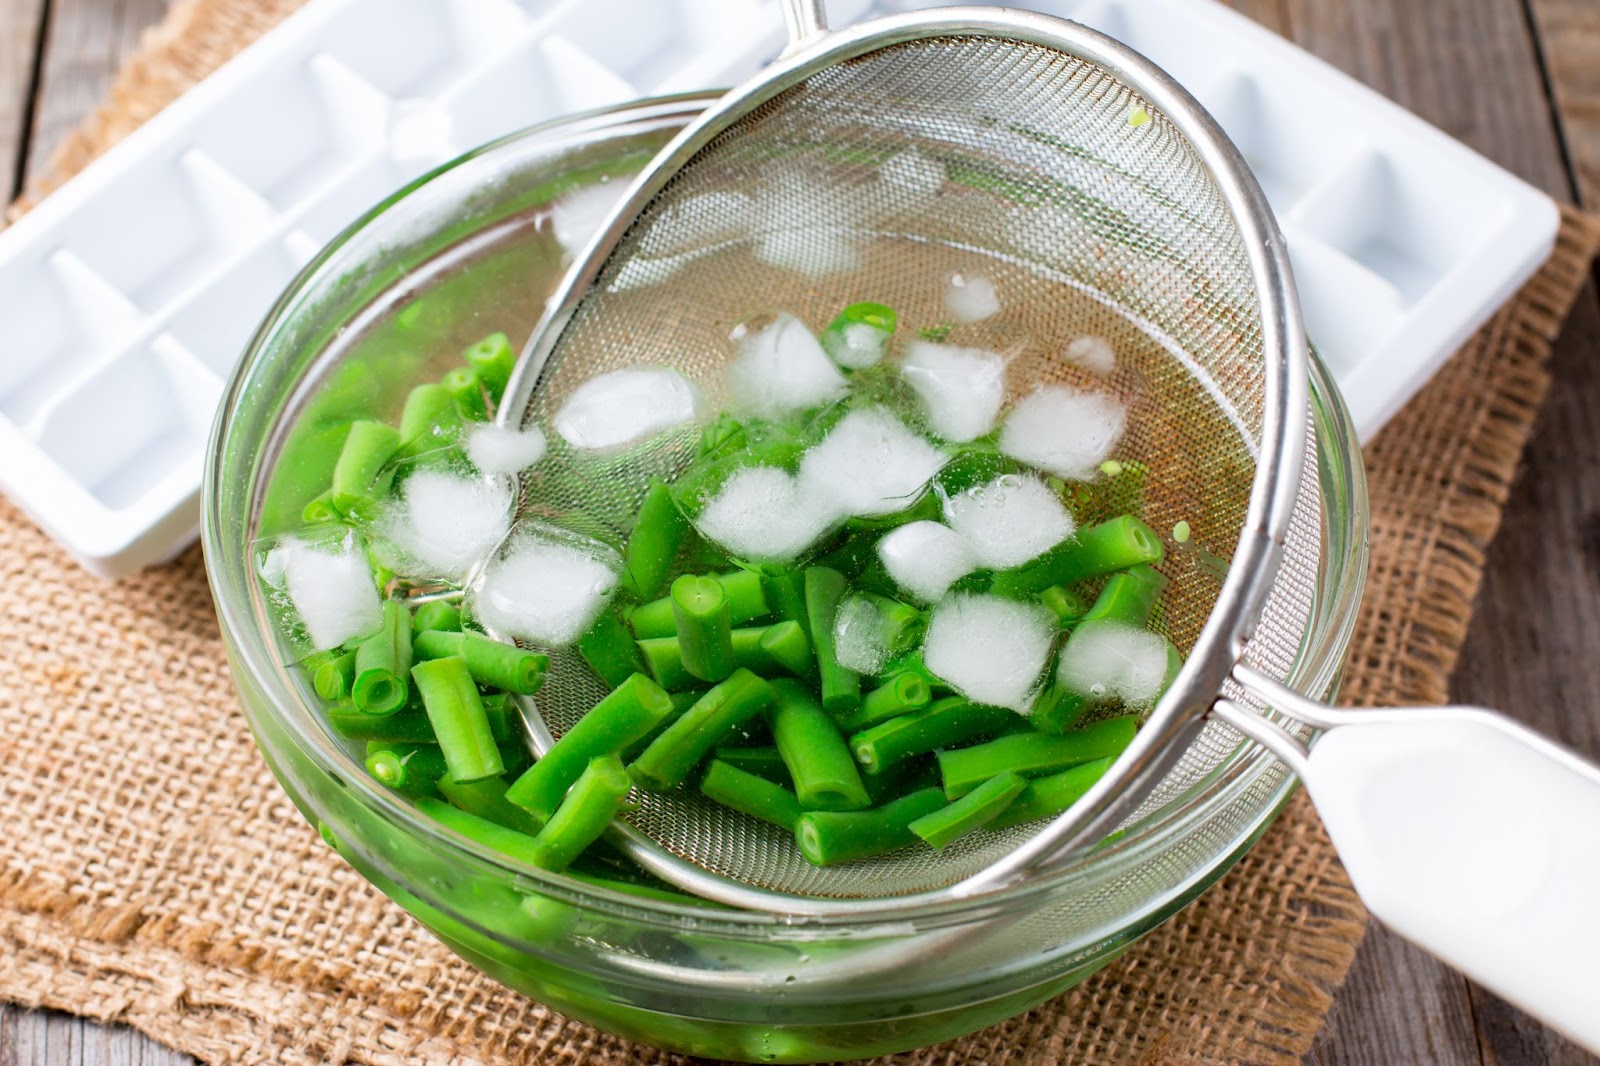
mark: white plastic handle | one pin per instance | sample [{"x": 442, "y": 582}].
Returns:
[{"x": 1479, "y": 841}]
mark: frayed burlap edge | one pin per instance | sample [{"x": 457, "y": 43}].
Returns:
[{"x": 189, "y": 988}]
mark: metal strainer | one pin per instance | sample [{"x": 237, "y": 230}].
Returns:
[{"x": 869, "y": 163}]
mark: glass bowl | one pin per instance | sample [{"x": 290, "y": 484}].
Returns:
[{"x": 468, "y": 250}]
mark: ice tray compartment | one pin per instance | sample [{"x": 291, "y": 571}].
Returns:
[
  {"x": 419, "y": 48},
  {"x": 210, "y": 327}
]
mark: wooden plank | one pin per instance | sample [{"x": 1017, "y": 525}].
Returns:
[
  {"x": 47, "y": 1038},
  {"x": 19, "y": 40},
  {"x": 85, "y": 43},
  {"x": 1569, "y": 31}
]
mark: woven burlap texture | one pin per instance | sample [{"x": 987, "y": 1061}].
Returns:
[{"x": 156, "y": 876}]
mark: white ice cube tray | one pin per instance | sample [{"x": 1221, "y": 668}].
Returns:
[{"x": 127, "y": 296}]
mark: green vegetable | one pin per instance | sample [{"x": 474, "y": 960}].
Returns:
[
  {"x": 1114, "y": 545},
  {"x": 382, "y": 662},
  {"x": 459, "y": 721},
  {"x": 704, "y": 627},
  {"x": 491, "y": 663},
  {"x": 1033, "y": 754},
  {"x": 841, "y": 687},
  {"x": 672, "y": 755},
  {"x": 747, "y": 602},
  {"x": 827, "y": 838},
  {"x": 824, "y": 773},
  {"x": 657, "y": 535},
  {"x": 750, "y": 794},
  {"x": 973, "y": 811},
  {"x": 944, "y": 724}
]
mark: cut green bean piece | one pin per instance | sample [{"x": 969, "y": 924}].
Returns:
[
  {"x": 749, "y": 794},
  {"x": 585, "y": 813},
  {"x": 1128, "y": 597},
  {"x": 747, "y": 602},
  {"x": 973, "y": 811},
  {"x": 899, "y": 694},
  {"x": 1057, "y": 708},
  {"x": 466, "y": 393},
  {"x": 493, "y": 360},
  {"x": 1033, "y": 754},
  {"x": 369, "y": 446},
  {"x": 664, "y": 657},
  {"x": 1115, "y": 545},
  {"x": 819, "y": 761},
  {"x": 859, "y": 335},
  {"x": 653, "y": 545},
  {"x": 410, "y": 725},
  {"x": 827, "y": 838},
  {"x": 1046, "y": 797},
  {"x": 901, "y": 779},
  {"x": 450, "y": 697},
  {"x": 441, "y": 615},
  {"x": 903, "y": 625},
  {"x": 508, "y": 842},
  {"x": 632, "y": 711},
  {"x": 504, "y": 718},
  {"x": 382, "y": 662},
  {"x": 786, "y": 591},
  {"x": 428, "y": 416},
  {"x": 609, "y": 650},
  {"x": 1066, "y": 605},
  {"x": 761, "y": 760},
  {"x": 785, "y": 644},
  {"x": 943, "y": 724},
  {"x": 704, "y": 627},
  {"x": 411, "y": 769},
  {"x": 841, "y": 687},
  {"x": 491, "y": 663},
  {"x": 487, "y": 799},
  {"x": 333, "y": 679},
  {"x": 673, "y": 754},
  {"x": 320, "y": 509}
]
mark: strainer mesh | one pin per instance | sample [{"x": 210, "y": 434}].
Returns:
[{"x": 876, "y": 179}]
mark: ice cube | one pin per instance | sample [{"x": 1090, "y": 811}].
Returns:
[
  {"x": 1114, "y": 660},
  {"x": 444, "y": 524},
  {"x": 971, "y": 298},
  {"x": 782, "y": 368},
  {"x": 869, "y": 464},
  {"x": 329, "y": 586},
  {"x": 577, "y": 215},
  {"x": 990, "y": 649},
  {"x": 495, "y": 449},
  {"x": 925, "y": 558},
  {"x": 1063, "y": 431},
  {"x": 858, "y": 346},
  {"x": 1091, "y": 353},
  {"x": 762, "y": 513},
  {"x": 858, "y": 636},
  {"x": 1009, "y": 520},
  {"x": 961, "y": 388},
  {"x": 813, "y": 253},
  {"x": 544, "y": 589},
  {"x": 624, "y": 405}
]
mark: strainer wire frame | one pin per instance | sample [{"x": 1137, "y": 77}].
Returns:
[{"x": 1179, "y": 717}]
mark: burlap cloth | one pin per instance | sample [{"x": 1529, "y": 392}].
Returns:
[{"x": 152, "y": 873}]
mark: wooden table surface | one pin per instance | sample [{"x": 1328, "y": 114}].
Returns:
[{"x": 1518, "y": 80}]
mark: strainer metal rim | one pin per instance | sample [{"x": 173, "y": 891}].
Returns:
[{"x": 1180, "y": 715}]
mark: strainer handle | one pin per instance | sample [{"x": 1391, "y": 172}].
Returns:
[
  {"x": 1469, "y": 835},
  {"x": 806, "y": 20}
]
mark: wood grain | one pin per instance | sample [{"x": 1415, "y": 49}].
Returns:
[
  {"x": 85, "y": 42},
  {"x": 1569, "y": 34},
  {"x": 19, "y": 45},
  {"x": 1473, "y": 67}
]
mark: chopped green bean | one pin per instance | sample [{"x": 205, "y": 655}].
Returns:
[
  {"x": 1115, "y": 545},
  {"x": 749, "y": 794},
  {"x": 491, "y": 663},
  {"x": 899, "y": 694},
  {"x": 664, "y": 657},
  {"x": 673, "y": 754},
  {"x": 440, "y": 615},
  {"x": 704, "y": 627},
  {"x": 820, "y": 764},
  {"x": 382, "y": 663},
  {"x": 508, "y": 842},
  {"x": 411, "y": 769},
  {"x": 466, "y": 393},
  {"x": 333, "y": 678},
  {"x": 654, "y": 543},
  {"x": 630, "y": 712},
  {"x": 786, "y": 591},
  {"x": 428, "y": 416},
  {"x": 1127, "y": 597},
  {"x": 973, "y": 811},
  {"x": 1046, "y": 797},
  {"x": 786, "y": 645},
  {"x": 493, "y": 360},
  {"x": 841, "y": 687},
  {"x": 367, "y": 449},
  {"x": 943, "y": 724},
  {"x": 1033, "y": 754},
  {"x": 830, "y": 837},
  {"x": 503, "y": 717},
  {"x": 609, "y": 650},
  {"x": 460, "y": 723},
  {"x": 1066, "y": 605},
  {"x": 320, "y": 509},
  {"x": 747, "y": 602},
  {"x": 864, "y": 324},
  {"x": 585, "y": 813},
  {"x": 407, "y": 726}
]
